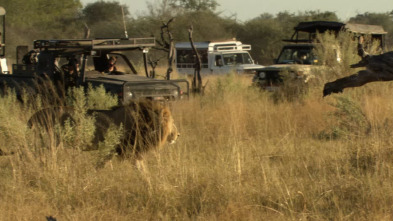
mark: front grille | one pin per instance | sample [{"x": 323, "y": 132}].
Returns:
[{"x": 153, "y": 93}]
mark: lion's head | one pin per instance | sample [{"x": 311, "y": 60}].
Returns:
[
  {"x": 174, "y": 134},
  {"x": 168, "y": 128}
]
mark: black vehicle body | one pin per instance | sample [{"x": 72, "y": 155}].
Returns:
[
  {"x": 53, "y": 55},
  {"x": 83, "y": 62}
]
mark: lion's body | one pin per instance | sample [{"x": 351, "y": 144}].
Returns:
[{"x": 145, "y": 125}]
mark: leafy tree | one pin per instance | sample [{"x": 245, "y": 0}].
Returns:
[
  {"x": 207, "y": 24},
  {"x": 195, "y": 5},
  {"x": 104, "y": 11},
  {"x": 161, "y": 9},
  {"x": 105, "y": 19},
  {"x": 166, "y": 9},
  {"x": 40, "y": 19},
  {"x": 40, "y": 13},
  {"x": 318, "y": 16},
  {"x": 264, "y": 34}
]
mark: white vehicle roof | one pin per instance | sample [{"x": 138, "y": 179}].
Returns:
[{"x": 214, "y": 46}]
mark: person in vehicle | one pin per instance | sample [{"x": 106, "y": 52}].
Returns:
[
  {"x": 70, "y": 71},
  {"x": 302, "y": 58},
  {"x": 111, "y": 66},
  {"x": 219, "y": 61}
]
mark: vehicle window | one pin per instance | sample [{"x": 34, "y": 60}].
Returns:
[
  {"x": 237, "y": 58},
  {"x": 102, "y": 64},
  {"x": 296, "y": 55},
  {"x": 187, "y": 56},
  {"x": 218, "y": 60},
  {"x": 121, "y": 65}
]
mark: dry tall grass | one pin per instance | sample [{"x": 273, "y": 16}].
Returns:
[{"x": 241, "y": 156}]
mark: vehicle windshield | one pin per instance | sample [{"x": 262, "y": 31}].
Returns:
[
  {"x": 108, "y": 63},
  {"x": 296, "y": 55},
  {"x": 237, "y": 58}
]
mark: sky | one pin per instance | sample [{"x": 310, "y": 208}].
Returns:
[{"x": 248, "y": 9}]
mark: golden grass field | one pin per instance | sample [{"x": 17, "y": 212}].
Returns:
[{"x": 241, "y": 156}]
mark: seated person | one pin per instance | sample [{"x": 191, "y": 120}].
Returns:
[
  {"x": 302, "y": 58},
  {"x": 106, "y": 65},
  {"x": 111, "y": 66},
  {"x": 70, "y": 71},
  {"x": 218, "y": 61}
]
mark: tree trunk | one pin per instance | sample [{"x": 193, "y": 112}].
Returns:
[
  {"x": 197, "y": 80},
  {"x": 169, "y": 46}
]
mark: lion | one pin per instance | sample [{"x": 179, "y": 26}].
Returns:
[{"x": 145, "y": 125}]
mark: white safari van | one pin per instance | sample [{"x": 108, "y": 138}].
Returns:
[{"x": 217, "y": 57}]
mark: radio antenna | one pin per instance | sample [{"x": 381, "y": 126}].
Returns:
[{"x": 124, "y": 23}]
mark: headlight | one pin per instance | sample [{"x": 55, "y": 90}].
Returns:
[
  {"x": 128, "y": 96},
  {"x": 175, "y": 93},
  {"x": 262, "y": 74}
]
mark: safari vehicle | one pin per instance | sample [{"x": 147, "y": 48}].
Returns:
[
  {"x": 216, "y": 57},
  {"x": 83, "y": 62},
  {"x": 297, "y": 60}
]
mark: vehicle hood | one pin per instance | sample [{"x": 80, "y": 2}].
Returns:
[
  {"x": 120, "y": 78},
  {"x": 249, "y": 67},
  {"x": 282, "y": 67},
  {"x": 136, "y": 81}
]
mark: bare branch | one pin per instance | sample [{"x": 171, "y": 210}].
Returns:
[
  {"x": 197, "y": 80},
  {"x": 87, "y": 31}
]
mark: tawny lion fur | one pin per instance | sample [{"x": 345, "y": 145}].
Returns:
[{"x": 146, "y": 125}]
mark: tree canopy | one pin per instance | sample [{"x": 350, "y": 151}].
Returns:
[
  {"x": 102, "y": 11},
  {"x": 40, "y": 13},
  {"x": 105, "y": 19},
  {"x": 39, "y": 19},
  {"x": 195, "y": 5}
]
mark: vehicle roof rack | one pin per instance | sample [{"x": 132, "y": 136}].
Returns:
[
  {"x": 298, "y": 40},
  {"x": 232, "y": 47},
  {"x": 96, "y": 44}
]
